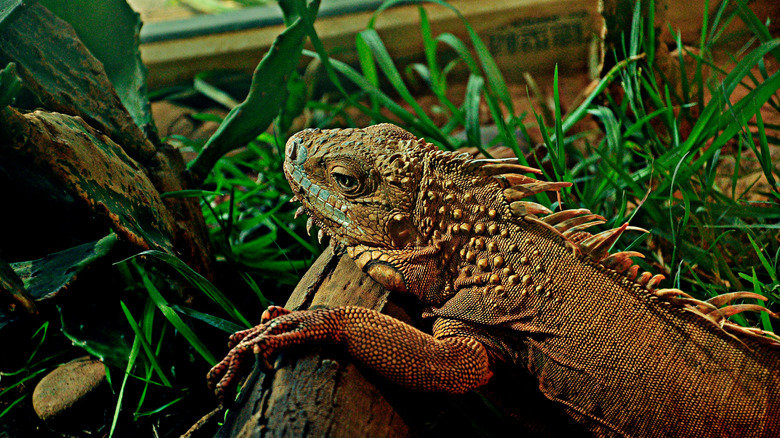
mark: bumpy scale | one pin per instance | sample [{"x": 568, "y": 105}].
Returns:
[{"x": 509, "y": 281}]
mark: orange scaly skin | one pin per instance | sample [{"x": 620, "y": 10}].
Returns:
[{"x": 508, "y": 281}]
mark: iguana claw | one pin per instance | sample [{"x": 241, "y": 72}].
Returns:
[{"x": 280, "y": 328}]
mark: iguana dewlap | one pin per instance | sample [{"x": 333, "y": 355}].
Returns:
[{"x": 507, "y": 280}]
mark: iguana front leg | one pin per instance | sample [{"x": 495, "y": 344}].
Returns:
[{"x": 393, "y": 349}]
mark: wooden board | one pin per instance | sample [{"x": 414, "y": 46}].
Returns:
[{"x": 522, "y": 35}]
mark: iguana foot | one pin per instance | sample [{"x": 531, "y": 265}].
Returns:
[
  {"x": 270, "y": 313},
  {"x": 282, "y": 329}
]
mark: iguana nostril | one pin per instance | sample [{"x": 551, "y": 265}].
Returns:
[{"x": 291, "y": 150}]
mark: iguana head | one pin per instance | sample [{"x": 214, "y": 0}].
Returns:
[{"x": 359, "y": 185}]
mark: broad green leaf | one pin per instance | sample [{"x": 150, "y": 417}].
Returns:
[
  {"x": 64, "y": 76},
  {"x": 109, "y": 29},
  {"x": 47, "y": 276},
  {"x": 266, "y": 96}
]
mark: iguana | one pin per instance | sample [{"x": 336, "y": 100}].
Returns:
[{"x": 506, "y": 280}]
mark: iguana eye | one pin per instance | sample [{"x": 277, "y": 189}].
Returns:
[{"x": 345, "y": 179}]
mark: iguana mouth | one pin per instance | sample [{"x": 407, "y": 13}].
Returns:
[{"x": 312, "y": 197}]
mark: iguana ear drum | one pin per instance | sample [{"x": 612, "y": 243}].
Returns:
[
  {"x": 403, "y": 232},
  {"x": 387, "y": 275}
]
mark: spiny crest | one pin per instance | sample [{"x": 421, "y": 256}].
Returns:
[
  {"x": 717, "y": 309},
  {"x": 570, "y": 225}
]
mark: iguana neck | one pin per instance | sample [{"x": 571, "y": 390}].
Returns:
[{"x": 454, "y": 208}]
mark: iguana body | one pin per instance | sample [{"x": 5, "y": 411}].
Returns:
[{"x": 508, "y": 281}]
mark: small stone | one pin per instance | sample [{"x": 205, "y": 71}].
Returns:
[
  {"x": 71, "y": 391},
  {"x": 457, "y": 213}
]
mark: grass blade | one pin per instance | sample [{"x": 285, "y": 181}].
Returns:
[
  {"x": 173, "y": 317},
  {"x": 139, "y": 335}
]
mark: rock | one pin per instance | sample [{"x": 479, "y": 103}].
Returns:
[{"x": 65, "y": 394}]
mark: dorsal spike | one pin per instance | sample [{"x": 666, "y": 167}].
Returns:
[
  {"x": 580, "y": 228},
  {"x": 696, "y": 306},
  {"x": 563, "y": 215},
  {"x": 541, "y": 223},
  {"x": 734, "y": 309},
  {"x": 513, "y": 179},
  {"x": 655, "y": 281},
  {"x": 620, "y": 261},
  {"x": 579, "y": 220},
  {"x": 598, "y": 246},
  {"x": 489, "y": 168},
  {"x": 632, "y": 271},
  {"x": 644, "y": 278},
  {"x": 722, "y": 299},
  {"x": 577, "y": 236},
  {"x": 519, "y": 192},
  {"x": 768, "y": 339},
  {"x": 670, "y": 292},
  {"x": 483, "y": 161},
  {"x": 522, "y": 208}
]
